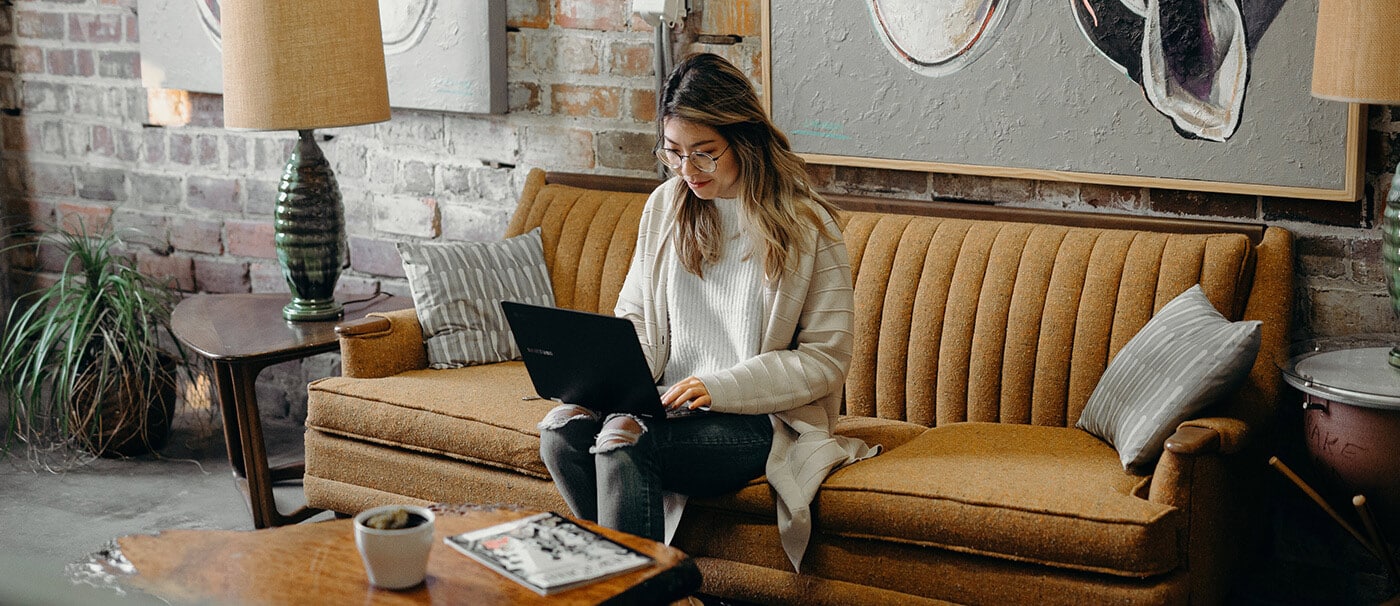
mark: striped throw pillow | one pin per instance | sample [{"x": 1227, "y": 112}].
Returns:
[
  {"x": 457, "y": 290},
  {"x": 1186, "y": 357}
]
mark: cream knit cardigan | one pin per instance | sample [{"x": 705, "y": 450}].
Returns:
[{"x": 798, "y": 375}]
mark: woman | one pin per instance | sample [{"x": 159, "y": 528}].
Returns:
[{"x": 740, "y": 291}]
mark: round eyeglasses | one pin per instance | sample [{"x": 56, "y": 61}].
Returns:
[{"x": 700, "y": 161}]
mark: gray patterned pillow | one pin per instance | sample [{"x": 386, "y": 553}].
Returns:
[
  {"x": 457, "y": 289},
  {"x": 1186, "y": 357}
]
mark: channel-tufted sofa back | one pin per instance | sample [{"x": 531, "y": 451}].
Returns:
[
  {"x": 962, "y": 320},
  {"x": 971, "y": 320}
]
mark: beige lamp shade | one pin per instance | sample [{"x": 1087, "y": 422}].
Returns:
[
  {"x": 303, "y": 64},
  {"x": 1357, "y": 57}
]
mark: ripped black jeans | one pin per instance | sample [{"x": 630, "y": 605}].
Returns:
[{"x": 613, "y": 471}]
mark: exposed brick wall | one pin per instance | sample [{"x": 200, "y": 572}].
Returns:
[{"x": 77, "y": 140}]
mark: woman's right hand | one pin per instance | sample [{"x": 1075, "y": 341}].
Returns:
[{"x": 689, "y": 392}]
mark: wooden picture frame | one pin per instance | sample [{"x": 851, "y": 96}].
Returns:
[{"x": 1039, "y": 101}]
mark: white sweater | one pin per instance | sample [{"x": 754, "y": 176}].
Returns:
[
  {"x": 798, "y": 375},
  {"x": 717, "y": 320}
]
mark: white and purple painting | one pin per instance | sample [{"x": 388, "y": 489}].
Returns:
[
  {"x": 1189, "y": 94},
  {"x": 1191, "y": 57},
  {"x": 447, "y": 56},
  {"x": 936, "y": 38}
]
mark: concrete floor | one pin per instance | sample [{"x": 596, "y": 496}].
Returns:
[{"x": 50, "y": 521}]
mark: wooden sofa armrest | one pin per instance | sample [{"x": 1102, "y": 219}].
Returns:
[
  {"x": 363, "y": 327},
  {"x": 1186, "y": 465},
  {"x": 1193, "y": 441},
  {"x": 381, "y": 345},
  {"x": 1208, "y": 435}
]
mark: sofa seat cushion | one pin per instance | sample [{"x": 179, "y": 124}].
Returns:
[
  {"x": 756, "y": 499},
  {"x": 1050, "y": 495},
  {"x": 475, "y": 413}
]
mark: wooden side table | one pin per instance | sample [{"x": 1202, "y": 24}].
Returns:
[{"x": 241, "y": 334}]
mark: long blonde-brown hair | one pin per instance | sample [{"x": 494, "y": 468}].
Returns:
[{"x": 706, "y": 89}]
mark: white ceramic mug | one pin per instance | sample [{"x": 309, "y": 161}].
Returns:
[{"x": 395, "y": 559}]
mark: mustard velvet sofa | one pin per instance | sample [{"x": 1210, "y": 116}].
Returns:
[{"x": 980, "y": 335}]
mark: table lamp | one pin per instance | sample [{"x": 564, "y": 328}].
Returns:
[
  {"x": 1357, "y": 60},
  {"x": 302, "y": 65}
]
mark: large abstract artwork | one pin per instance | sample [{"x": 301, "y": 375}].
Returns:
[
  {"x": 446, "y": 56},
  {"x": 1209, "y": 95}
]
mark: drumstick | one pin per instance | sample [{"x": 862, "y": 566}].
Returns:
[
  {"x": 1359, "y": 501},
  {"x": 1317, "y": 498}
]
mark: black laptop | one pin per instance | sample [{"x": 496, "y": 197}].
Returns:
[{"x": 584, "y": 358}]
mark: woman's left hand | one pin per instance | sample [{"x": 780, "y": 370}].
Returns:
[{"x": 689, "y": 392}]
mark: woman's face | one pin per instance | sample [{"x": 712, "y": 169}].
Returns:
[{"x": 686, "y": 138}]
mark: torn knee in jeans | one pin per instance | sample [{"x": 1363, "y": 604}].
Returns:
[
  {"x": 618, "y": 431},
  {"x": 564, "y": 413}
]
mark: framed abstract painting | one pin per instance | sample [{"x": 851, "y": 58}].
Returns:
[{"x": 1202, "y": 95}]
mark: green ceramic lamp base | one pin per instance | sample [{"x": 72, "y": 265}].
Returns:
[
  {"x": 300, "y": 310},
  {"x": 1390, "y": 253},
  {"x": 310, "y": 233}
]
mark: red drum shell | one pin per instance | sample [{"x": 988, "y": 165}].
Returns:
[{"x": 1360, "y": 448}]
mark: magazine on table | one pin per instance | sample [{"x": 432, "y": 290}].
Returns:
[{"x": 547, "y": 552}]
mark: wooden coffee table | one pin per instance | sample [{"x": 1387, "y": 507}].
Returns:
[{"x": 318, "y": 563}]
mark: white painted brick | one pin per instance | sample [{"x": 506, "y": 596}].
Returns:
[
  {"x": 474, "y": 223},
  {"x": 539, "y": 51},
  {"x": 558, "y": 148},
  {"x": 415, "y": 178},
  {"x": 454, "y": 179},
  {"x": 46, "y": 97},
  {"x": 495, "y": 187},
  {"x": 517, "y": 43},
  {"x": 407, "y": 215},
  {"x": 260, "y": 196},
  {"x": 483, "y": 139},
  {"x": 71, "y": 140},
  {"x": 270, "y": 154},
  {"x": 380, "y": 178},
  {"x": 136, "y": 100},
  {"x": 412, "y": 130},
  {"x": 359, "y": 210},
  {"x": 347, "y": 159}
]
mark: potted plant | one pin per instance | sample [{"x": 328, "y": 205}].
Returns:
[{"x": 89, "y": 362}]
